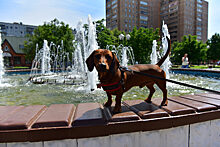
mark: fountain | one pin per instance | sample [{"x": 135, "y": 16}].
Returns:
[
  {"x": 167, "y": 64},
  {"x": 153, "y": 55},
  {"x": 2, "y": 70},
  {"x": 91, "y": 46},
  {"x": 124, "y": 54},
  {"x": 80, "y": 50},
  {"x": 45, "y": 63},
  {"x": 72, "y": 86},
  {"x": 57, "y": 58}
]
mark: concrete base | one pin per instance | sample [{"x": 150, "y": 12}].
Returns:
[{"x": 205, "y": 134}]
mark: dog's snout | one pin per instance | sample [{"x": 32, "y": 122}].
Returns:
[{"x": 102, "y": 66}]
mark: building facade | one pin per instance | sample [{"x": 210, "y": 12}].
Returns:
[
  {"x": 13, "y": 38},
  {"x": 126, "y": 14},
  {"x": 183, "y": 17},
  {"x": 16, "y": 29}
]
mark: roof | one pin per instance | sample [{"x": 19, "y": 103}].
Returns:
[{"x": 15, "y": 42}]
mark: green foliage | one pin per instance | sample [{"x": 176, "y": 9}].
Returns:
[
  {"x": 213, "y": 52},
  {"x": 196, "y": 50},
  {"x": 105, "y": 36},
  {"x": 141, "y": 41},
  {"x": 53, "y": 31}
]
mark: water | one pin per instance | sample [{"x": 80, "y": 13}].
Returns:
[
  {"x": 50, "y": 60},
  {"x": 153, "y": 55},
  {"x": 2, "y": 70},
  {"x": 22, "y": 92},
  {"x": 167, "y": 64},
  {"x": 124, "y": 54},
  {"x": 91, "y": 46}
]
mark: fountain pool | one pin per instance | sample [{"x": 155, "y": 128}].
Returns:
[{"x": 21, "y": 92}]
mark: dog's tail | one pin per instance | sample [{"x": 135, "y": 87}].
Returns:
[{"x": 167, "y": 53}]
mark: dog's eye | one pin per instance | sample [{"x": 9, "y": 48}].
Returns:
[
  {"x": 98, "y": 56},
  {"x": 108, "y": 57}
]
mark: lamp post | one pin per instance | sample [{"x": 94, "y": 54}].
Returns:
[{"x": 124, "y": 38}]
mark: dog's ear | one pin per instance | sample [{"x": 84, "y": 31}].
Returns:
[
  {"x": 115, "y": 63},
  {"x": 90, "y": 62}
]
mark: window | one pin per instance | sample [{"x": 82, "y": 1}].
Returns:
[
  {"x": 113, "y": 2},
  {"x": 17, "y": 60},
  {"x": 199, "y": 5},
  {"x": 114, "y": 16},
  {"x": 199, "y": 1},
  {"x": 6, "y": 49},
  {"x": 21, "y": 46},
  {"x": 114, "y": 6},
  {"x": 143, "y": 17},
  {"x": 199, "y": 10},
  {"x": 143, "y": 22},
  {"x": 199, "y": 19},
  {"x": 199, "y": 28},
  {"x": 143, "y": 3},
  {"x": 144, "y": 12},
  {"x": 199, "y": 14},
  {"x": 198, "y": 33},
  {"x": 143, "y": 8}
]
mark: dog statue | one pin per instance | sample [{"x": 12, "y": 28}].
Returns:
[{"x": 116, "y": 81}]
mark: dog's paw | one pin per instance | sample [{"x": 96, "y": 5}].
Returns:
[
  {"x": 164, "y": 103},
  {"x": 108, "y": 104},
  {"x": 148, "y": 101},
  {"x": 116, "y": 110}
]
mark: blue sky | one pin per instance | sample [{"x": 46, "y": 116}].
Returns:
[{"x": 36, "y": 12}]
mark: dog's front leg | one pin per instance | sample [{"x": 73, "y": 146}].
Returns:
[
  {"x": 109, "y": 102},
  {"x": 117, "y": 108}
]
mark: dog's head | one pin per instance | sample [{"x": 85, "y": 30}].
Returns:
[{"x": 103, "y": 60}]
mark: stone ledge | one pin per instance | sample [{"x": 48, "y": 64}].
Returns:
[{"x": 91, "y": 119}]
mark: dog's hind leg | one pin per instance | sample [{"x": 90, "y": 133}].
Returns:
[
  {"x": 162, "y": 86},
  {"x": 109, "y": 102},
  {"x": 152, "y": 90}
]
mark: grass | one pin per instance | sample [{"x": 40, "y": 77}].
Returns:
[{"x": 20, "y": 67}]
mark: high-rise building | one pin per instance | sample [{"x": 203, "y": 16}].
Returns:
[
  {"x": 16, "y": 29},
  {"x": 183, "y": 17},
  {"x": 126, "y": 14}
]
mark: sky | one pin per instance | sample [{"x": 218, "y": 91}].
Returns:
[{"x": 36, "y": 12}]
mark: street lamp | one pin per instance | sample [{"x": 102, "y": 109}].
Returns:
[
  {"x": 121, "y": 37},
  {"x": 128, "y": 37}
]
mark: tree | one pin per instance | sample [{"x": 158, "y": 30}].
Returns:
[
  {"x": 214, "y": 47},
  {"x": 141, "y": 41},
  {"x": 196, "y": 50},
  {"x": 53, "y": 31}
]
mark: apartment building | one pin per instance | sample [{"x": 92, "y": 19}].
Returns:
[
  {"x": 16, "y": 29},
  {"x": 126, "y": 14},
  {"x": 183, "y": 17}
]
